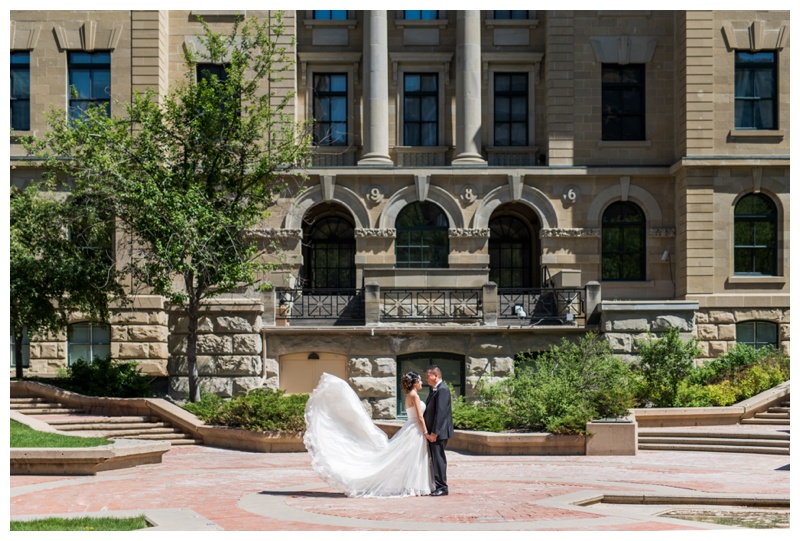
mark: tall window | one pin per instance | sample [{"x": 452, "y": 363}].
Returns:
[
  {"x": 420, "y": 109},
  {"x": 26, "y": 350},
  {"x": 422, "y": 237},
  {"x": 511, "y": 109},
  {"x": 87, "y": 341},
  {"x": 330, "y": 109},
  {"x": 509, "y": 252},
  {"x": 206, "y": 71},
  {"x": 755, "y": 237},
  {"x": 20, "y": 90},
  {"x": 332, "y": 249},
  {"x": 755, "y": 90},
  {"x": 89, "y": 81},
  {"x": 623, "y": 239},
  {"x": 511, "y": 14},
  {"x": 420, "y": 15},
  {"x": 330, "y": 15},
  {"x": 623, "y": 102},
  {"x": 757, "y": 333}
]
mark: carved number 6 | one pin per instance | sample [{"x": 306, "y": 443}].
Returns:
[{"x": 571, "y": 195}]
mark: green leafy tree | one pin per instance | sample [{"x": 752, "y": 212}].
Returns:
[
  {"x": 187, "y": 175},
  {"x": 663, "y": 364},
  {"x": 61, "y": 262}
]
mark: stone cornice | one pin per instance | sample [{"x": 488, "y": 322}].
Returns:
[
  {"x": 469, "y": 233},
  {"x": 375, "y": 233},
  {"x": 275, "y": 233}
]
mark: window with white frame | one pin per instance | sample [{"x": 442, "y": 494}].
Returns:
[{"x": 87, "y": 341}]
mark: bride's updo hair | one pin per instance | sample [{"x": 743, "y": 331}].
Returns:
[{"x": 408, "y": 381}]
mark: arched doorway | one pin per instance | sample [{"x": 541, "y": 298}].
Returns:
[{"x": 514, "y": 250}]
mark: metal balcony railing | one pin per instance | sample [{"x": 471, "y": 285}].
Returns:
[
  {"x": 542, "y": 306},
  {"x": 431, "y": 304},
  {"x": 315, "y": 306}
]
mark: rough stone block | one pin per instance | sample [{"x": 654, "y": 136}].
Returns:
[
  {"x": 478, "y": 365},
  {"x": 272, "y": 369},
  {"x": 247, "y": 343},
  {"x": 119, "y": 333},
  {"x": 238, "y": 365},
  {"x": 503, "y": 366},
  {"x": 243, "y": 385},
  {"x": 179, "y": 365},
  {"x": 701, "y": 317},
  {"x": 210, "y": 343},
  {"x": 619, "y": 343},
  {"x": 384, "y": 366},
  {"x": 717, "y": 348},
  {"x": 236, "y": 324},
  {"x": 384, "y": 409},
  {"x": 703, "y": 349},
  {"x": 359, "y": 367},
  {"x": 133, "y": 350},
  {"x": 158, "y": 318},
  {"x": 134, "y": 318},
  {"x": 155, "y": 367},
  {"x": 783, "y": 332},
  {"x": 159, "y": 351},
  {"x": 716, "y": 316},
  {"x": 177, "y": 343},
  {"x": 147, "y": 333},
  {"x": 373, "y": 387},
  {"x": 762, "y": 315},
  {"x": 707, "y": 332},
  {"x": 631, "y": 324},
  {"x": 664, "y": 323},
  {"x": 785, "y": 349},
  {"x": 726, "y": 332},
  {"x": 179, "y": 386}
]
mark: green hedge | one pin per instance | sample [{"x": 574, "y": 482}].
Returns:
[{"x": 260, "y": 410}]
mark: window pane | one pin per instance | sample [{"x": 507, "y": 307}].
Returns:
[
  {"x": 338, "y": 83},
  {"x": 79, "y": 352},
  {"x": 428, "y": 83},
  {"x": 79, "y": 333},
  {"x": 101, "y": 351},
  {"x": 428, "y": 135},
  {"x": 101, "y": 84},
  {"x": 502, "y": 109},
  {"x": 766, "y": 333},
  {"x": 428, "y": 107},
  {"x": 411, "y": 135},
  {"x": 412, "y": 83},
  {"x": 411, "y": 109},
  {"x": 338, "y": 109},
  {"x": 101, "y": 334},
  {"x": 519, "y": 134},
  {"x": 519, "y": 108},
  {"x": 81, "y": 83}
]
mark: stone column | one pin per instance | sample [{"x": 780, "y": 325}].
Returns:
[
  {"x": 376, "y": 90},
  {"x": 468, "y": 88}
]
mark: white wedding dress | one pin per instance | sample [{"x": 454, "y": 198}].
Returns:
[{"x": 354, "y": 456}]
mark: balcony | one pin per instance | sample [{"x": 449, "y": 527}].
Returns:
[{"x": 487, "y": 306}]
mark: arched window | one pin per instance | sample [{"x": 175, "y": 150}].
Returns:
[
  {"x": 755, "y": 237},
  {"x": 509, "y": 252},
  {"x": 757, "y": 333},
  {"x": 624, "y": 254},
  {"x": 331, "y": 253},
  {"x": 422, "y": 240},
  {"x": 87, "y": 341}
]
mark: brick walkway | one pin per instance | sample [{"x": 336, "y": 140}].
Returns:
[{"x": 203, "y": 488}]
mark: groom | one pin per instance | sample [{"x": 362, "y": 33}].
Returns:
[{"x": 439, "y": 421}]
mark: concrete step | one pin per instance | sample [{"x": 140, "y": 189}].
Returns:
[
  {"x": 771, "y": 415},
  {"x": 712, "y": 448},
  {"x": 28, "y": 400},
  {"x": 160, "y": 437},
  {"x": 778, "y": 409},
  {"x": 48, "y": 411},
  {"x": 760, "y": 421},
  {"x": 140, "y": 432},
  {"x": 103, "y": 420},
  {"x": 657, "y": 432},
  {"x": 735, "y": 442},
  {"x": 113, "y": 426}
]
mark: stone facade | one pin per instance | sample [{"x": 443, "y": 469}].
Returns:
[{"x": 686, "y": 175}]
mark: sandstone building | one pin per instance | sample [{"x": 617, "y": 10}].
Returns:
[{"x": 482, "y": 183}]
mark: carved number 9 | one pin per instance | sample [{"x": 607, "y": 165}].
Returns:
[{"x": 374, "y": 193}]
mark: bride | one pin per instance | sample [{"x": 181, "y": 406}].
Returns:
[{"x": 353, "y": 455}]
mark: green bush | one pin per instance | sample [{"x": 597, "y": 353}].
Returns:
[
  {"x": 478, "y": 417},
  {"x": 259, "y": 410},
  {"x": 105, "y": 377},
  {"x": 663, "y": 364},
  {"x": 568, "y": 385}
]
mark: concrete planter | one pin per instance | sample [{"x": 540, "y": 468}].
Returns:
[{"x": 249, "y": 440}]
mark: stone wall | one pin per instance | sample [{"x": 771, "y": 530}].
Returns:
[
  {"x": 229, "y": 349},
  {"x": 716, "y": 329}
]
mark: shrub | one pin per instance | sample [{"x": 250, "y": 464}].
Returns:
[
  {"x": 663, "y": 364},
  {"x": 260, "y": 410},
  {"x": 478, "y": 417},
  {"x": 105, "y": 377},
  {"x": 568, "y": 385}
]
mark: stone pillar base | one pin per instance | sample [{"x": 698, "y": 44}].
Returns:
[{"x": 611, "y": 438}]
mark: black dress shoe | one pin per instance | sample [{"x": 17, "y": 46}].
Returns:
[{"x": 439, "y": 492}]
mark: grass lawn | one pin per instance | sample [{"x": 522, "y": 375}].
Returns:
[
  {"x": 80, "y": 524},
  {"x": 24, "y": 436}
]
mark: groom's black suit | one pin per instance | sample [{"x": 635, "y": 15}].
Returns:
[{"x": 439, "y": 421}]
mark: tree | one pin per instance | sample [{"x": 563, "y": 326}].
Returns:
[
  {"x": 61, "y": 263},
  {"x": 187, "y": 177}
]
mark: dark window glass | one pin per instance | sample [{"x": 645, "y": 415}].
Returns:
[
  {"x": 330, "y": 15},
  {"x": 207, "y": 71},
  {"x": 453, "y": 374},
  {"x": 509, "y": 252},
  {"x": 422, "y": 236},
  {"x": 755, "y": 89},
  {"x": 332, "y": 249},
  {"x": 89, "y": 81},
  {"x": 87, "y": 341},
  {"x": 623, "y": 240},
  {"x": 511, "y": 109},
  {"x": 420, "y": 15},
  {"x": 755, "y": 237},
  {"x": 511, "y": 14},
  {"x": 623, "y": 102},
  {"x": 421, "y": 109},
  {"x": 20, "y": 90},
  {"x": 757, "y": 333},
  {"x": 26, "y": 350},
  {"x": 330, "y": 109}
]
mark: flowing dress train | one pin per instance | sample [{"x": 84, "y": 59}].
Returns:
[{"x": 354, "y": 456}]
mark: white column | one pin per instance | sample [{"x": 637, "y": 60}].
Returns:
[
  {"x": 376, "y": 89},
  {"x": 468, "y": 88}
]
